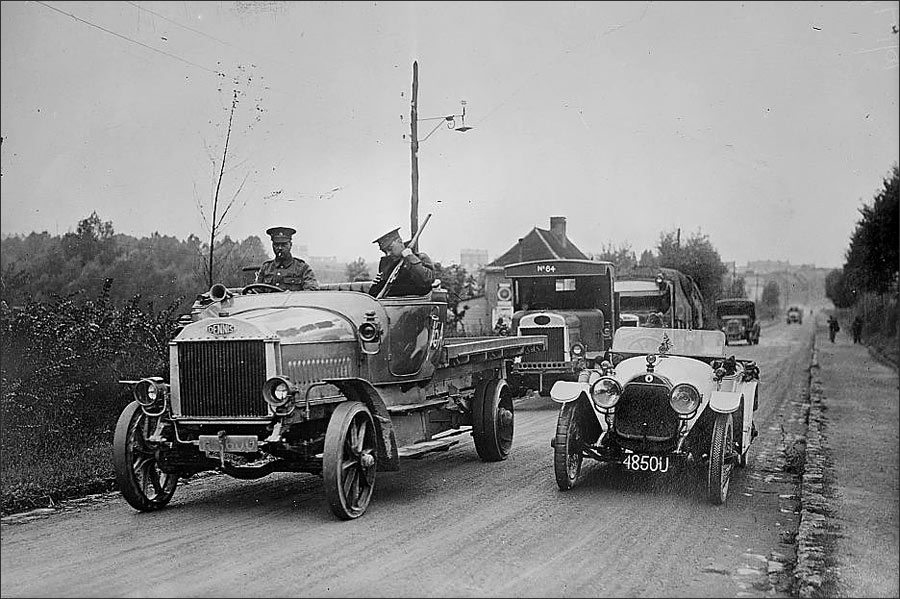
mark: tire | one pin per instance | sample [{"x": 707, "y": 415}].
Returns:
[
  {"x": 721, "y": 462},
  {"x": 493, "y": 420},
  {"x": 567, "y": 454},
  {"x": 349, "y": 460},
  {"x": 144, "y": 486}
]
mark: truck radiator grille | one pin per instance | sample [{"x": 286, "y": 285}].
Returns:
[
  {"x": 644, "y": 410},
  {"x": 222, "y": 378},
  {"x": 555, "y": 351}
]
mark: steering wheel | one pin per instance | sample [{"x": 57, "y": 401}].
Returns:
[{"x": 254, "y": 288}]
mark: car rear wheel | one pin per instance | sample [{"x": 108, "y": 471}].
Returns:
[
  {"x": 348, "y": 461},
  {"x": 567, "y": 454},
  {"x": 493, "y": 420},
  {"x": 721, "y": 459},
  {"x": 140, "y": 480}
]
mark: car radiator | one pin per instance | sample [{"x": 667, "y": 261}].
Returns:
[{"x": 644, "y": 411}]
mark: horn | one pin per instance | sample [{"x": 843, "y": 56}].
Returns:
[{"x": 219, "y": 292}]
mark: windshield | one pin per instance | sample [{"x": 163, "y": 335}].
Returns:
[
  {"x": 561, "y": 293},
  {"x": 656, "y": 302},
  {"x": 680, "y": 342}
]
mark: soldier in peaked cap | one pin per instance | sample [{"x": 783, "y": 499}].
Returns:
[
  {"x": 285, "y": 271},
  {"x": 416, "y": 273}
]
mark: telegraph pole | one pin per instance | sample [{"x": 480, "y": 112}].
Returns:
[{"x": 414, "y": 153}]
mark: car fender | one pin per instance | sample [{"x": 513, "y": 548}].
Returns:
[
  {"x": 362, "y": 390},
  {"x": 725, "y": 402},
  {"x": 567, "y": 391}
]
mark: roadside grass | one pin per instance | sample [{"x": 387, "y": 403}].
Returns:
[
  {"x": 30, "y": 480},
  {"x": 884, "y": 346}
]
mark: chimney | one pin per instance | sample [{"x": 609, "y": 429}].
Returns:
[{"x": 558, "y": 228}]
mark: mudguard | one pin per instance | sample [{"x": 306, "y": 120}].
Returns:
[
  {"x": 362, "y": 390},
  {"x": 725, "y": 402},
  {"x": 566, "y": 391}
]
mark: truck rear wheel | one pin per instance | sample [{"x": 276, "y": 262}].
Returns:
[
  {"x": 348, "y": 462},
  {"x": 493, "y": 420}
]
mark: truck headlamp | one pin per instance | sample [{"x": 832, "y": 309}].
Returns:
[
  {"x": 277, "y": 391},
  {"x": 577, "y": 350},
  {"x": 368, "y": 332},
  {"x": 151, "y": 394},
  {"x": 605, "y": 393},
  {"x": 685, "y": 400}
]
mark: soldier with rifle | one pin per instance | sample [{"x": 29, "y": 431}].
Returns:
[{"x": 401, "y": 271}]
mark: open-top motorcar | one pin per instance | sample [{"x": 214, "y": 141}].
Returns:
[
  {"x": 665, "y": 396},
  {"x": 794, "y": 314}
]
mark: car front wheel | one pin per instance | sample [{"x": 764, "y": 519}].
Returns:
[
  {"x": 567, "y": 454},
  {"x": 140, "y": 480},
  {"x": 721, "y": 459}
]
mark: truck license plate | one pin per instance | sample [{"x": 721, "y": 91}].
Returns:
[
  {"x": 645, "y": 463},
  {"x": 234, "y": 443}
]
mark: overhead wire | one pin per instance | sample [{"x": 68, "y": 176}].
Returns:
[{"x": 133, "y": 41}]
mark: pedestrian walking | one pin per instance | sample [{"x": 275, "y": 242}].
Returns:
[
  {"x": 833, "y": 327},
  {"x": 856, "y": 328}
]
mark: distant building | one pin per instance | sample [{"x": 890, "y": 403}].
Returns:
[
  {"x": 472, "y": 260},
  {"x": 538, "y": 244}
]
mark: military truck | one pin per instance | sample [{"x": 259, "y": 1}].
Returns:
[
  {"x": 332, "y": 382},
  {"x": 666, "y": 294},
  {"x": 570, "y": 302}
]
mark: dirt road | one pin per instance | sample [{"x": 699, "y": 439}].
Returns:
[{"x": 449, "y": 525}]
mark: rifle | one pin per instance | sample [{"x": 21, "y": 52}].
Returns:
[{"x": 396, "y": 271}]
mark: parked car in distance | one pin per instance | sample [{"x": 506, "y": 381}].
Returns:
[
  {"x": 794, "y": 314},
  {"x": 668, "y": 396},
  {"x": 736, "y": 317}
]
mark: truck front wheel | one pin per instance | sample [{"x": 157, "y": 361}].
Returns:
[
  {"x": 140, "y": 480},
  {"x": 493, "y": 420}
]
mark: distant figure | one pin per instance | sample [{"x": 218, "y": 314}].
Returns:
[
  {"x": 501, "y": 328},
  {"x": 285, "y": 271},
  {"x": 857, "y": 329},
  {"x": 833, "y": 327},
  {"x": 416, "y": 273},
  {"x": 655, "y": 321}
]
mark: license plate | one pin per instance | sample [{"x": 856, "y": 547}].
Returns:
[
  {"x": 233, "y": 443},
  {"x": 646, "y": 463}
]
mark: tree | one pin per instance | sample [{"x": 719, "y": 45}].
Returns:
[
  {"x": 460, "y": 286},
  {"x": 872, "y": 259},
  {"x": 737, "y": 288},
  {"x": 621, "y": 256},
  {"x": 648, "y": 260},
  {"x": 218, "y": 211},
  {"x": 770, "y": 299},
  {"x": 696, "y": 258},
  {"x": 358, "y": 270},
  {"x": 839, "y": 290}
]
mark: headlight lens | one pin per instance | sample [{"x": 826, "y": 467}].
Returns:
[
  {"x": 277, "y": 391},
  {"x": 577, "y": 350},
  {"x": 146, "y": 392},
  {"x": 605, "y": 393},
  {"x": 368, "y": 331},
  {"x": 685, "y": 399}
]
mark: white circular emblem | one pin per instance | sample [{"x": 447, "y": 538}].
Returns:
[{"x": 648, "y": 378}]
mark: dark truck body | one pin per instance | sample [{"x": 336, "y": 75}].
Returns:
[
  {"x": 736, "y": 317},
  {"x": 311, "y": 381},
  {"x": 663, "y": 291},
  {"x": 571, "y": 302}
]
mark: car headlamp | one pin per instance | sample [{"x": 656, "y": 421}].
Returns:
[
  {"x": 277, "y": 391},
  {"x": 577, "y": 350},
  {"x": 685, "y": 400},
  {"x": 605, "y": 393}
]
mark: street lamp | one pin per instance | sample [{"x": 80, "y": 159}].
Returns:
[{"x": 448, "y": 120}]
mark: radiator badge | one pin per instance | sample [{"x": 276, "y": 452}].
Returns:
[{"x": 220, "y": 329}]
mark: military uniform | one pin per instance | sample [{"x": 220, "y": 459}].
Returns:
[
  {"x": 285, "y": 271},
  {"x": 416, "y": 273},
  {"x": 296, "y": 275}
]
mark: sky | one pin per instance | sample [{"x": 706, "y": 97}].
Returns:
[{"x": 764, "y": 126}]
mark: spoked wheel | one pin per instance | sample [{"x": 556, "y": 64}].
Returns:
[
  {"x": 567, "y": 454},
  {"x": 143, "y": 485},
  {"x": 493, "y": 420},
  {"x": 721, "y": 459},
  {"x": 349, "y": 460}
]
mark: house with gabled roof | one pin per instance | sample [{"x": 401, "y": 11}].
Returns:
[{"x": 538, "y": 244}]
